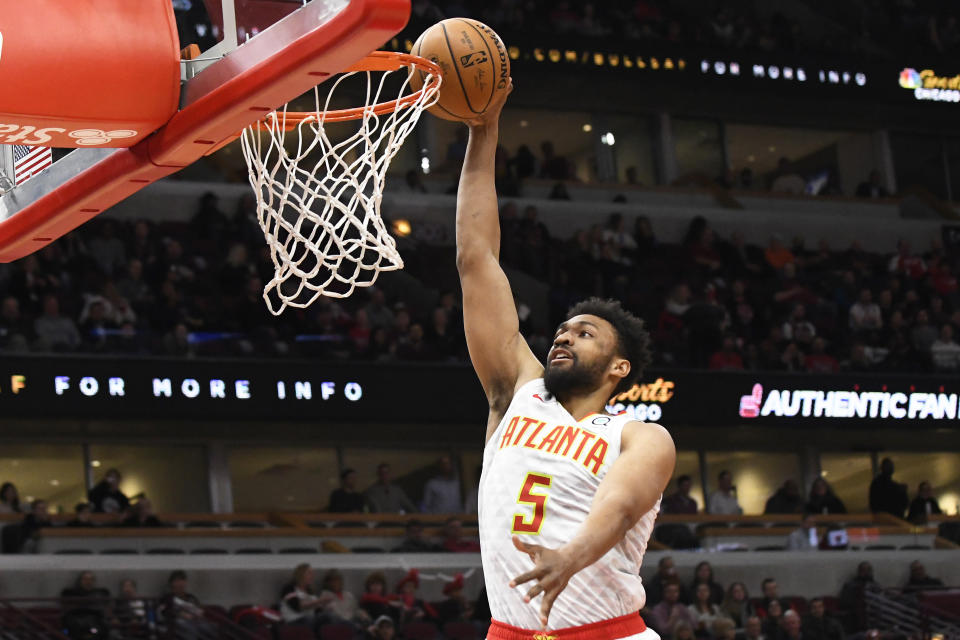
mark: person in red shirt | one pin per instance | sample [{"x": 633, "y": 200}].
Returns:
[
  {"x": 819, "y": 361},
  {"x": 727, "y": 357},
  {"x": 453, "y": 541}
]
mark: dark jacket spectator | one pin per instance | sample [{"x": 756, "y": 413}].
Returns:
[
  {"x": 680, "y": 501},
  {"x": 85, "y": 608},
  {"x": 346, "y": 498},
  {"x": 787, "y": 499},
  {"x": 107, "y": 496},
  {"x": 924, "y": 505},
  {"x": 817, "y": 625},
  {"x": 82, "y": 516},
  {"x": 887, "y": 495},
  {"x": 142, "y": 515},
  {"x": 703, "y": 574},
  {"x": 919, "y": 580},
  {"x": 823, "y": 500}
]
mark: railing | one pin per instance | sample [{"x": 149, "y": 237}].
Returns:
[
  {"x": 897, "y": 611},
  {"x": 69, "y": 618}
]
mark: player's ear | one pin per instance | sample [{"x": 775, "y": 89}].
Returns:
[{"x": 620, "y": 367}]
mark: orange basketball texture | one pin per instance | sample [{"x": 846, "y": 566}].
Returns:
[{"x": 475, "y": 66}]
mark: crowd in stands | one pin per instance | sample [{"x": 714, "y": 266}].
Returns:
[
  {"x": 859, "y": 30},
  {"x": 886, "y": 495},
  {"x": 677, "y": 609},
  {"x": 196, "y": 289}
]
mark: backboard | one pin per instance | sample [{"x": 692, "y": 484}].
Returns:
[{"x": 256, "y": 55}]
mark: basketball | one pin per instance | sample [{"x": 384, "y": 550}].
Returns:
[{"x": 475, "y": 66}]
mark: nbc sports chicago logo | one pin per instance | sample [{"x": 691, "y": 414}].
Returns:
[
  {"x": 843, "y": 403},
  {"x": 927, "y": 85}
]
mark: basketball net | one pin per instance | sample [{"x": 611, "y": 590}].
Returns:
[{"x": 318, "y": 201}]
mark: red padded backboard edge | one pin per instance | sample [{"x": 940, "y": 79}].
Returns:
[{"x": 278, "y": 65}]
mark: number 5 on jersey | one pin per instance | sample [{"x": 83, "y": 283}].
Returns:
[{"x": 538, "y": 500}]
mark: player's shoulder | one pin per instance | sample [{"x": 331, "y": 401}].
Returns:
[{"x": 647, "y": 435}]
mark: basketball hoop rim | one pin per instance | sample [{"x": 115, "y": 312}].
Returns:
[{"x": 375, "y": 61}]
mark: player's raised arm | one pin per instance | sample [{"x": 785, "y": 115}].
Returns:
[
  {"x": 499, "y": 353},
  {"x": 630, "y": 489}
]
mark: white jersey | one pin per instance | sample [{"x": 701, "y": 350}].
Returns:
[{"x": 541, "y": 470}]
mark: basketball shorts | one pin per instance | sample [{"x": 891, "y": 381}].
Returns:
[{"x": 629, "y": 627}]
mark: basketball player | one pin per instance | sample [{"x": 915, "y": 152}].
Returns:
[{"x": 568, "y": 493}]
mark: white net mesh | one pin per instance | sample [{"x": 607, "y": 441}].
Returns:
[{"x": 318, "y": 201}]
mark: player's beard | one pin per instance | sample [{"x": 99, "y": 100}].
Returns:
[{"x": 579, "y": 378}]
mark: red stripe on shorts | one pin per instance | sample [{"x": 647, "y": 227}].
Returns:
[{"x": 612, "y": 629}]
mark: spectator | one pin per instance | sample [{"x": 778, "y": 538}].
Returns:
[
  {"x": 666, "y": 574},
  {"x": 680, "y": 501},
  {"x": 777, "y": 254},
  {"x": 378, "y": 313},
  {"x": 414, "y": 609},
  {"x": 340, "y": 605},
  {"x": 703, "y": 610},
  {"x": 703, "y": 574},
  {"x": 851, "y": 595},
  {"x": 819, "y": 361},
  {"x": 823, "y": 500},
  {"x": 791, "y": 626},
  {"x": 773, "y": 622},
  {"x": 872, "y": 187},
  {"x": 346, "y": 499},
  {"x": 724, "y": 501},
  {"x": 107, "y": 496},
  {"x": 415, "y": 542},
  {"x": 55, "y": 332},
  {"x": 797, "y": 327},
  {"x": 905, "y": 263},
  {"x": 919, "y": 580},
  {"x": 553, "y": 167},
  {"x": 471, "y": 504},
  {"x": 454, "y": 607},
  {"x": 142, "y": 515},
  {"x": 864, "y": 314},
  {"x": 298, "y": 599},
  {"x": 85, "y": 608},
  {"x": 805, "y": 538},
  {"x": 453, "y": 538},
  {"x": 682, "y": 630},
  {"x": 383, "y": 628},
  {"x": 129, "y": 609},
  {"x": 787, "y": 181},
  {"x": 924, "y": 505},
  {"x": 15, "y": 331},
  {"x": 82, "y": 516},
  {"x": 786, "y": 499},
  {"x": 817, "y": 625},
  {"x": 441, "y": 494},
  {"x": 181, "y": 611},
  {"x": 771, "y": 594},
  {"x": 736, "y": 604},
  {"x": 670, "y": 611},
  {"x": 107, "y": 250},
  {"x": 887, "y": 495},
  {"x": 9, "y": 498},
  {"x": 387, "y": 497},
  {"x": 753, "y": 629},
  {"x": 923, "y": 335},
  {"x": 727, "y": 358},
  {"x": 723, "y": 629},
  {"x": 37, "y": 519},
  {"x": 945, "y": 352},
  {"x": 376, "y": 601}
]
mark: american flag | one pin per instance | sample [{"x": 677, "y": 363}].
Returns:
[{"x": 28, "y": 161}]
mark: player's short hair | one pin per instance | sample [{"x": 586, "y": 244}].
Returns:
[{"x": 633, "y": 340}]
